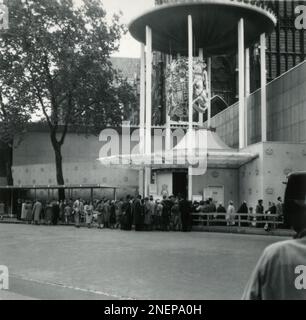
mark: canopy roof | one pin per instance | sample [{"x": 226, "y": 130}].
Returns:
[
  {"x": 204, "y": 145},
  {"x": 215, "y": 25}
]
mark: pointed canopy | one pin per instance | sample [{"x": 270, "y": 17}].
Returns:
[{"x": 201, "y": 145}]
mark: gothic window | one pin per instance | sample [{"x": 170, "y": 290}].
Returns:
[
  {"x": 283, "y": 64},
  {"x": 297, "y": 42},
  {"x": 274, "y": 66},
  {"x": 290, "y": 62},
  {"x": 290, "y": 37},
  {"x": 282, "y": 40},
  {"x": 281, "y": 8}
]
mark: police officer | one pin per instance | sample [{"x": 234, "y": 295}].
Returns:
[{"x": 280, "y": 273}]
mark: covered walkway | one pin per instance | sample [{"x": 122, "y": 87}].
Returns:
[{"x": 9, "y": 195}]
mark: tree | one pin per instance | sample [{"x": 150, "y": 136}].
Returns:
[
  {"x": 15, "y": 108},
  {"x": 127, "y": 96},
  {"x": 12, "y": 125},
  {"x": 64, "y": 51}
]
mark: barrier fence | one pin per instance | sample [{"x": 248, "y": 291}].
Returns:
[{"x": 238, "y": 219}]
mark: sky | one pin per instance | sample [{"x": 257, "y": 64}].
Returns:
[{"x": 130, "y": 9}]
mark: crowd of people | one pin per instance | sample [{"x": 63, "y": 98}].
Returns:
[
  {"x": 248, "y": 217},
  {"x": 170, "y": 213}
]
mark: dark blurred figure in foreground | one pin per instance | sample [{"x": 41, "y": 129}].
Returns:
[{"x": 280, "y": 273}]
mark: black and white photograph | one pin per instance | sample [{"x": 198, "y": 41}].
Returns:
[{"x": 153, "y": 150}]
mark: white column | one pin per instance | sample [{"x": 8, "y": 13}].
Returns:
[
  {"x": 201, "y": 57},
  {"x": 241, "y": 83},
  {"x": 148, "y": 116},
  {"x": 247, "y": 91},
  {"x": 190, "y": 72},
  {"x": 142, "y": 114},
  {"x": 148, "y": 90},
  {"x": 168, "y": 119},
  {"x": 142, "y": 99},
  {"x": 209, "y": 93},
  {"x": 263, "y": 80},
  {"x": 190, "y": 95}
]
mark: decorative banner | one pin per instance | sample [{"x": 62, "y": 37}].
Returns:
[{"x": 177, "y": 87}]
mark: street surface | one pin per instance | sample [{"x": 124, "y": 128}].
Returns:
[{"x": 47, "y": 262}]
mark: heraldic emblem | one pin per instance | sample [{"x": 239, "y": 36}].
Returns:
[{"x": 177, "y": 87}]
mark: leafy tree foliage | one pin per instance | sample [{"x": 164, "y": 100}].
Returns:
[{"x": 63, "y": 53}]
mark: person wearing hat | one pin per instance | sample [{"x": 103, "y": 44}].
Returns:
[{"x": 280, "y": 273}]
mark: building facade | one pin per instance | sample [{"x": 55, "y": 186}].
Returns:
[
  {"x": 284, "y": 152},
  {"x": 262, "y": 178}
]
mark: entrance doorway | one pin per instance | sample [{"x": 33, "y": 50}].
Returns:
[{"x": 180, "y": 184}]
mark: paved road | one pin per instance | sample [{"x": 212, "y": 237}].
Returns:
[{"x": 66, "y": 263}]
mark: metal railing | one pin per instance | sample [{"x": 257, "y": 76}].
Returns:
[{"x": 273, "y": 221}]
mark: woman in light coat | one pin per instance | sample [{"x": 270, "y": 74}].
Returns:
[
  {"x": 230, "y": 214},
  {"x": 37, "y": 209},
  {"x": 23, "y": 211},
  {"x": 88, "y": 208}
]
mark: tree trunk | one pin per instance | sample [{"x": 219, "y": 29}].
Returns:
[
  {"x": 59, "y": 167},
  {"x": 8, "y": 164}
]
